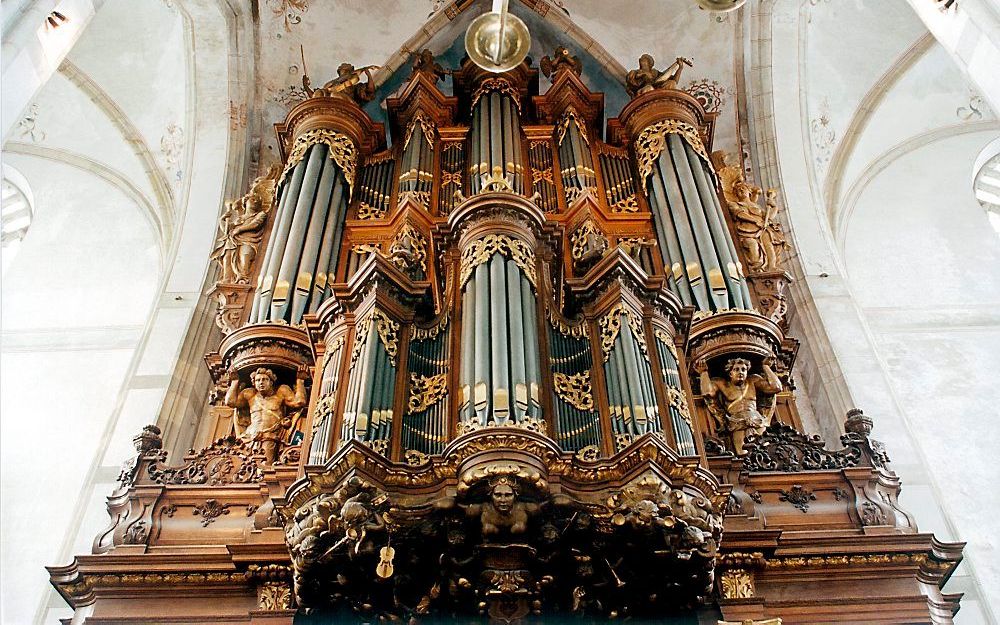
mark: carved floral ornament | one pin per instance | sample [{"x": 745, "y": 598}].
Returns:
[
  {"x": 570, "y": 116},
  {"x": 425, "y": 391},
  {"x": 653, "y": 139},
  {"x": 575, "y": 390},
  {"x": 342, "y": 151},
  {"x": 481, "y": 250},
  {"x": 387, "y": 330},
  {"x": 427, "y": 126},
  {"x": 611, "y": 324}
]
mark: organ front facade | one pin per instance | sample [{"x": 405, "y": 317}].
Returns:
[{"x": 519, "y": 364}]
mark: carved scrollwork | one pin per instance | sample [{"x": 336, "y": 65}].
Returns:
[
  {"x": 227, "y": 461},
  {"x": 481, "y": 250},
  {"x": 367, "y": 211},
  {"x": 570, "y": 115},
  {"x": 574, "y": 389},
  {"x": 611, "y": 324},
  {"x": 653, "y": 139},
  {"x": 736, "y": 584},
  {"x": 210, "y": 511},
  {"x": 678, "y": 401},
  {"x": 501, "y": 85},
  {"x": 426, "y": 125},
  {"x": 425, "y": 391},
  {"x": 388, "y": 332},
  {"x": 798, "y": 496},
  {"x": 628, "y": 204},
  {"x": 274, "y": 596},
  {"x": 342, "y": 151},
  {"x": 426, "y": 334},
  {"x": 782, "y": 448}
]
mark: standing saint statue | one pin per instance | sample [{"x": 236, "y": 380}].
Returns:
[
  {"x": 733, "y": 402},
  {"x": 241, "y": 229},
  {"x": 268, "y": 409}
]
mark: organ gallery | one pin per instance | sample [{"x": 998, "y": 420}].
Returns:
[{"x": 495, "y": 356}]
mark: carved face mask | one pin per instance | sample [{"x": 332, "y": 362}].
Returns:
[{"x": 503, "y": 498}]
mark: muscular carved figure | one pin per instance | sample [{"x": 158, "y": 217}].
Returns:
[
  {"x": 733, "y": 402},
  {"x": 647, "y": 77},
  {"x": 268, "y": 409},
  {"x": 503, "y": 511}
]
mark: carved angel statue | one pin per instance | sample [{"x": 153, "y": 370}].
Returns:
[
  {"x": 760, "y": 235},
  {"x": 743, "y": 403},
  {"x": 241, "y": 229},
  {"x": 647, "y": 77},
  {"x": 347, "y": 83},
  {"x": 560, "y": 60}
]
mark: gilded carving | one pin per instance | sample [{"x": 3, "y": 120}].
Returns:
[
  {"x": 627, "y": 204},
  {"x": 653, "y": 139},
  {"x": 757, "y": 229},
  {"x": 501, "y": 85},
  {"x": 574, "y": 390},
  {"x": 678, "y": 401},
  {"x": 737, "y": 584},
  {"x": 409, "y": 252},
  {"x": 570, "y": 116},
  {"x": 588, "y": 245},
  {"x": 425, "y": 334},
  {"x": 342, "y": 151},
  {"x": 426, "y": 126},
  {"x": 274, "y": 596},
  {"x": 388, "y": 332},
  {"x": 425, "y": 391},
  {"x": 481, "y": 250},
  {"x": 578, "y": 329},
  {"x": 367, "y": 211},
  {"x": 610, "y": 325}
]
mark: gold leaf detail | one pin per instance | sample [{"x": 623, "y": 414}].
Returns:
[
  {"x": 575, "y": 390},
  {"x": 342, "y": 151},
  {"x": 425, "y": 391},
  {"x": 653, "y": 139},
  {"x": 481, "y": 250}
]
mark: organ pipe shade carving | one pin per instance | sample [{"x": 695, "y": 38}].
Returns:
[
  {"x": 575, "y": 157},
  {"x": 324, "y": 417},
  {"x": 416, "y": 167},
  {"x": 452, "y": 166},
  {"x": 372, "y": 382},
  {"x": 500, "y": 366},
  {"x": 577, "y": 422},
  {"x": 375, "y": 189},
  {"x": 495, "y": 136},
  {"x": 702, "y": 265},
  {"x": 628, "y": 378},
  {"x": 425, "y": 423},
  {"x": 540, "y": 159},
  {"x": 301, "y": 257},
  {"x": 680, "y": 416}
]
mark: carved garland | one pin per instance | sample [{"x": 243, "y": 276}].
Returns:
[
  {"x": 653, "y": 139},
  {"x": 342, "y": 151},
  {"x": 480, "y": 251},
  {"x": 425, "y": 391},
  {"x": 575, "y": 390},
  {"x": 611, "y": 324},
  {"x": 501, "y": 85}
]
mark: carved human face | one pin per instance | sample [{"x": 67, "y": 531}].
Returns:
[
  {"x": 503, "y": 498},
  {"x": 646, "y": 62},
  {"x": 263, "y": 383},
  {"x": 738, "y": 372}
]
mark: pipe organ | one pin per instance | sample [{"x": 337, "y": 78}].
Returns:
[{"x": 544, "y": 377}]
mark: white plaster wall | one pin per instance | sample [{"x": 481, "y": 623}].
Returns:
[{"x": 924, "y": 267}]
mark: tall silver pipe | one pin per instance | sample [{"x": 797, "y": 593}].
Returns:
[
  {"x": 518, "y": 387},
  {"x": 482, "y": 384},
  {"x": 499, "y": 344}
]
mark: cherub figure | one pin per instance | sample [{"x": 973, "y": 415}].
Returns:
[
  {"x": 647, "y": 77},
  {"x": 733, "y": 401}
]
